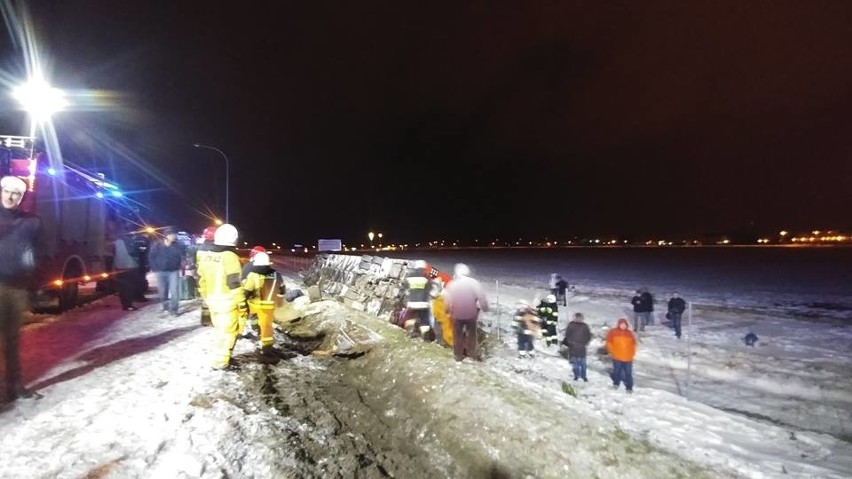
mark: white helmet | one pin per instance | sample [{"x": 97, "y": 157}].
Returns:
[
  {"x": 419, "y": 264},
  {"x": 226, "y": 235},
  {"x": 550, "y": 298},
  {"x": 261, "y": 259},
  {"x": 461, "y": 270}
]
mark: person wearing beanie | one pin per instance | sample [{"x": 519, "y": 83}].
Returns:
[{"x": 20, "y": 245}]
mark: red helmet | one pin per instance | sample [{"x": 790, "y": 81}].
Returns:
[
  {"x": 256, "y": 250},
  {"x": 208, "y": 233}
]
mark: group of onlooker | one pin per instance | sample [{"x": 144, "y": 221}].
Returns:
[{"x": 443, "y": 309}]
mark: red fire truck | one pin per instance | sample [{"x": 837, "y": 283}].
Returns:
[{"x": 79, "y": 212}]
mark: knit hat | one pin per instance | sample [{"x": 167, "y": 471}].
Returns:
[{"x": 13, "y": 183}]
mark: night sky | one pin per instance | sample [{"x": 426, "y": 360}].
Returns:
[{"x": 430, "y": 120}]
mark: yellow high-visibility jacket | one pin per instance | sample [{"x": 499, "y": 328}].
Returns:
[
  {"x": 219, "y": 282},
  {"x": 202, "y": 251},
  {"x": 264, "y": 287}
]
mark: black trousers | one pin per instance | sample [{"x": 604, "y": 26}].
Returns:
[{"x": 13, "y": 303}]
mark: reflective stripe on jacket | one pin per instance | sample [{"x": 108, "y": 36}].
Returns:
[{"x": 219, "y": 278}]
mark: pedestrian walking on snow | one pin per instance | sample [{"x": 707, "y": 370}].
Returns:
[
  {"x": 561, "y": 290},
  {"x": 577, "y": 338},
  {"x": 621, "y": 346},
  {"x": 464, "y": 298},
  {"x": 643, "y": 308},
  {"x": 166, "y": 258},
  {"x": 675, "y": 312}
]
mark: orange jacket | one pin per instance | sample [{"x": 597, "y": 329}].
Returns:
[{"x": 621, "y": 343}]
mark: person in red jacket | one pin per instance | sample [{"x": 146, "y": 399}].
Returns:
[{"x": 621, "y": 346}]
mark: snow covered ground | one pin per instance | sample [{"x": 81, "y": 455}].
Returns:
[{"x": 130, "y": 394}]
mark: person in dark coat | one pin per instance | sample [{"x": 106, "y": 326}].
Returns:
[
  {"x": 20, "y": 246},
  {"x": 648, "y": 304},
  {"x": 125, "y": 272},
  {"x": 166, "y": 259},
  {"x": 675, "y": 312},
  {"x": 561, "y": 290},
  {"x": 577, "y": 337},
  {"x": 643, "y": 309}
]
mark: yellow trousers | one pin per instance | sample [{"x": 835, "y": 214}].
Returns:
[
  {"x": 264, "y": 321},
  {"x": 227, "y": 325},
  {"x": 444, "y": 319}
]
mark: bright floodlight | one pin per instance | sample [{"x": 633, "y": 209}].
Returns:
[{"x": 39, "y": 99}]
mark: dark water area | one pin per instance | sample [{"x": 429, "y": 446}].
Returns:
[{"x": 813, "y": 282}]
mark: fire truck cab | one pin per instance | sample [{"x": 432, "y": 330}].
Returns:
[{"x": 78, "y": 210}]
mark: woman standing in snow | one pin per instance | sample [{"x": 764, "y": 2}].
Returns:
[{"x": 621, "y": 346}]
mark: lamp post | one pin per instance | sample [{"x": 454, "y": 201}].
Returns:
[{"x": 227, "y": 176}]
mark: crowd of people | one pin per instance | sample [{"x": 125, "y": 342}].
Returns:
[
  {"x": 231, "y": 294},
  {"x": 443, "y": 309}
]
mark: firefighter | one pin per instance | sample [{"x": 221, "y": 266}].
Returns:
[
  {"x": 548, "y": 312},
  {"x": 220, "y": 285},
  {"x": 418, "y": 287},
  {"x": 264, "y": 289},
  {"x": 203, "y": 249},
  {"x": 252, "y": 252}
]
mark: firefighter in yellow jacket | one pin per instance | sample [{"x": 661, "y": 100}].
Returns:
[
  {"x": 220, "y": 274},
  {"x": 264, "y": 289}
]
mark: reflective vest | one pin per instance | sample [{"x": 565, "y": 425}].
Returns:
[
  {"x": 219, "y": 280},
  {"x": 265, "y": 291}
]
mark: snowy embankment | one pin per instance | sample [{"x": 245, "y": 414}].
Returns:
[
  {"x": 780, "y": 408},
  {"x": 783, "y": 407},
  {"x": 131, "y": 395}
]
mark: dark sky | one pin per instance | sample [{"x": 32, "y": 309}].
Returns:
[{"x": 469, "y": 119}]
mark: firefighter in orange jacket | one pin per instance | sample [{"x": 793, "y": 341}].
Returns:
[
  {"x": 621, "y": 346},
  {"x": 220, "y": 273},
  {"x": 264, "y": 288}
]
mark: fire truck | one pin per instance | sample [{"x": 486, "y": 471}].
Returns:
[{"x": 79, "y": 211}]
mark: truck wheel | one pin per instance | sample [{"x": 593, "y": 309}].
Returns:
[{"x": 68, "y": 296}]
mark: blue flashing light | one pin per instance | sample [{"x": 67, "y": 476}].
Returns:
[
  {"x": 51, "y": 171},
  {"x": 99, "y": 194},
  {"x": 117, "y": 194}
]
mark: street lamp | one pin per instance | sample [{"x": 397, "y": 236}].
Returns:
[
  {"x": 227, "y": 175},
  {"x": 40, "y": 101},
  {"x": 371, "y": 235}
]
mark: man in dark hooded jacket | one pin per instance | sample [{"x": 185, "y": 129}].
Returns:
[
  {"x": 577, "y": 337},
  {"x": 20, "y": 242}
]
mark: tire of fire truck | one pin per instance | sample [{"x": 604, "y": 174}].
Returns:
[{"x": 68, "y": 291}]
